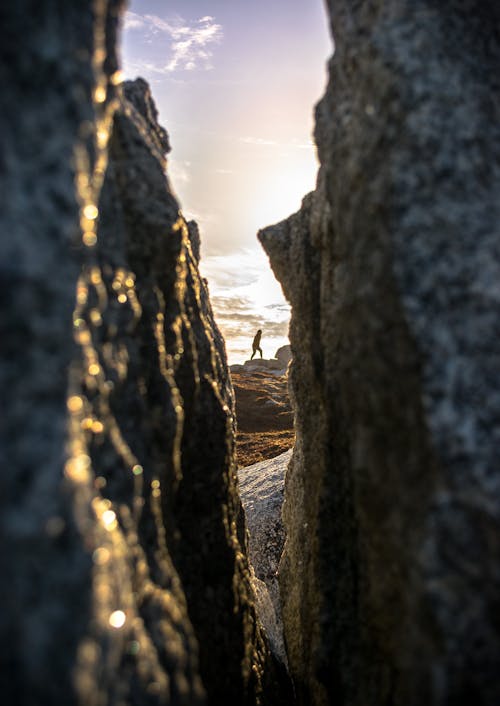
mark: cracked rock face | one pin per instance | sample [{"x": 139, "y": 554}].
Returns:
[
  {"x": 390, "y": 577},
  {"x": 123, "y": 570}
]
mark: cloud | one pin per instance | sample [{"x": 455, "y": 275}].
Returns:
[
  {"x": 133, "y": 21},
  {"x": 279, "y": 307},
  {"x": 257, "y": 141},
  {"x": 190, "y": 45},
  {"x": 179, "y": 171},
  {"x": 237, "y": 315},
  {"x": 204, "y": 219},
  {"x": 229, "y": 272},
  {"x": 244, "y": 300},
  {"x": 238, "y": 329},
  {"x": 233, "y": 307},
  {"x": 263, "y": 142}
]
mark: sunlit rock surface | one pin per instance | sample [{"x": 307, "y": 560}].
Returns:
[
  {"x": 123, "y": 569},
  {"x": 264, "y": 416},
  {"x": 284, "y": 354},
  {"x": 261, "y": 489},
  {"x": 390, "y": 577},
  {"x": 268, "y": 365}
]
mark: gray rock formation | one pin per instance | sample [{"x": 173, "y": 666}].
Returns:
[
  {"x": 268, "y": 365},
  {"x": 390, "y": 576},
  {"x": 123, "y": 569},
  {"x": 261, "y": 489},
  {"x": 284, "y": 355}
]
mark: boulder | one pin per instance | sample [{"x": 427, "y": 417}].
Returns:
[
  {"x": 261, "y": 489},
  {"x": 284, "y": 355},
  {"x": 264, "y": 364},
  {"x": 390, "y": 577}
]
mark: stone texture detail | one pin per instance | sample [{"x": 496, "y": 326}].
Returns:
[
  {"x": 123, "y": 569},
  {"x": 390, "y": 572},
  {"x": 56, "y": 68},
  {"x": 261, "y": 489}
]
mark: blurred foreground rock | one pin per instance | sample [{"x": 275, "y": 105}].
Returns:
[
  {"x": 123, "y": 570},
  {"x": 391, "y": 572}
]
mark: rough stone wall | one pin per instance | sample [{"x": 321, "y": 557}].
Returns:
[
  {"x": 123, "y": 569},
  {"x": 390, "y": 576},
  {"x": 57, "y": 66}
]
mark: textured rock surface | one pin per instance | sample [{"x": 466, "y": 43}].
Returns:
[
  {"x": 55, "y": 63},
  {"x": 261, "y": 489},
  {"x": 284, "y": 355},
  {"x": 268, "y": 365},
  {"x": 390, "y": 576},
  {"x": 123, "y": 569},
  {"x": 264, "y": 416}
]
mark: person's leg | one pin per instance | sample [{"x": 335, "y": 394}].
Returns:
[
  {"x": 251, "y": 357},
  {"x": 260, "y": 349}
]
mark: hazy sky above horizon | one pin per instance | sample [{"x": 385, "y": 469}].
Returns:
[{"x": 235, "y": 83}]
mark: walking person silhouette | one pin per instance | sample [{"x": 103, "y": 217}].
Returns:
[{"x": 256, "y": 344}]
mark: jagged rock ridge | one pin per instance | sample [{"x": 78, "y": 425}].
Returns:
[
  {"x": 390, "y": 571},
  {"x": 124, "y": 574}
]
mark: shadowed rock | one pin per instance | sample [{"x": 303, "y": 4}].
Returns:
[
  {"x": 170, "y": 406},
  {"x": 48, "y": 126},
  {"x": 123, "y": 569},
  {"x": 390, "y": 576}
]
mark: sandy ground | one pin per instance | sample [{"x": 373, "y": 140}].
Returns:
[{"x": 264, "y": 415}]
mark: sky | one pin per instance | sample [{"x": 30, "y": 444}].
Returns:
[{"x": 235, "y": 83}]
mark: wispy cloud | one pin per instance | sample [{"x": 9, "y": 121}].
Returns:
[
  {"x": 257, "y": 141},
  {"x": 264, "y": 142},
  {"x": 179, "y": 171},
  {"x": 232, "y": 270},
  {"x": 245, "y": 297},
  {"x": 133, "y": 21},
  {"x": 238, "y": 320},
  {"x": 303, "y": 145},
  {"x": 190, "y": 44}
]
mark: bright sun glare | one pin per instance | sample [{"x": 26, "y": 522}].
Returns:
[{"x": 240, "y": 124}]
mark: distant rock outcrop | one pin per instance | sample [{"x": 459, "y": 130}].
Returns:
[
  {"x": 124, "y": 576},
  {"x": 284, "y": 355},
  {"x": 264, "y": 416},
  {"x": 276, "y": 366},
  {"x": 390, "y": 576}
]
